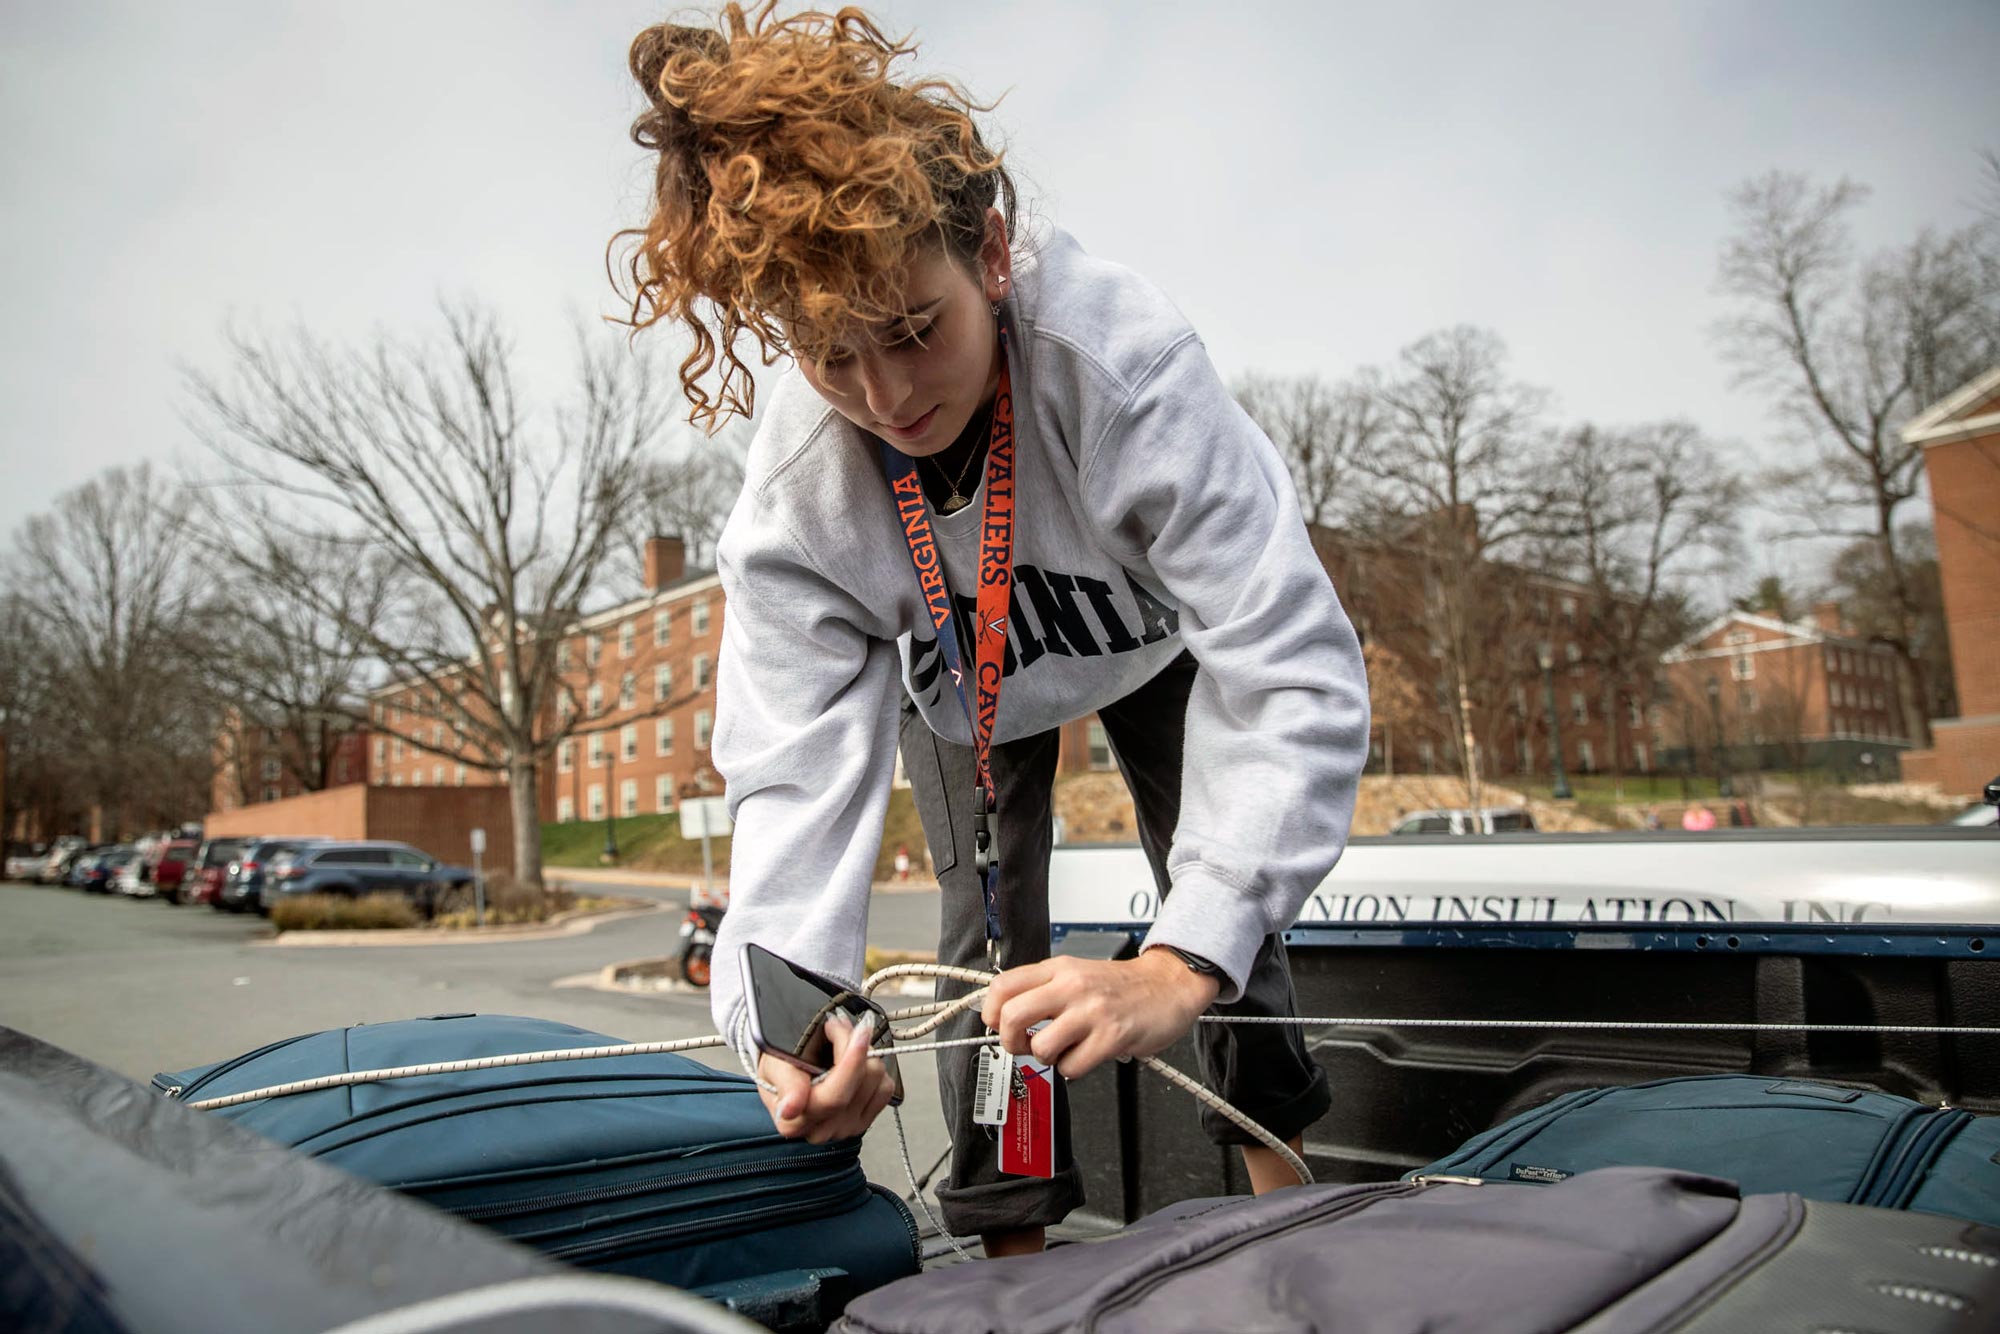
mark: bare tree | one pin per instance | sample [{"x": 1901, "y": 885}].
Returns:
[
  {"x": 495, "y": 522},
  {"x": 1320, "y": 429},
  {"x": 1869, "y": 603},
  {"x": 111, "y": 592},
  {"x": 1635, "y": 512},
  {"x": 291, "y": 657},
  {"x": 688, "y": 494},
  {"x": 1847, "y": 353},
  {"x": 1455, "y": 468},
  {"x": 1395, "y": 699}
]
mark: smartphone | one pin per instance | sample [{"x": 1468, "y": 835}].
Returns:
[{"x": 789, "y": 1005}]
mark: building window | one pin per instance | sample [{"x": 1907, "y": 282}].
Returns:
[
  {"x": 396, "y": 781},
  {"x": 1737, "y": 637},
  {"x": 437, "y": 775},
  {"x": 1527, "y": 754},
  {"x": 458, "y": 776},
  {"x": 565, "y": 756},
  {"x": 663, "y": 682},
  {"x": 1746, "y": 699},
  {"x": 270, "y": 792},
  {"x": 1427, "y": 755},
  {"x": 1569, "y": 611},
  {"x": 698, "y": 617},
  {"x": 593, "y": 650},
  {"x": 596, "y": 801},
  {"x": 1520, "y": 701},
  {"x": 396, "y": 749},
  {"x": 628, "y": 743},
  {"x": 628, "y": 639},
  {"x": 395, "y": 713},
  {"x": 704, "y": 723},
  {"x": 271, "y": 771},
  {"x": 565, "y": 810},
  {"x": 1575, "y": 657},
  {"x": 663, "y": 631},
  {"x": 1586, "y": 756},
  {"x": 628, "y": 797},
  {"x": 378, "y": 750},
  {"x": 663, "y": 736},
  {"x": 701, "y": 671},
  {"x": 1832, "y": 660},
  {"x": 1579, "y": 707},
  {"x": 562, "y": 656},
  {"x": 1639, "y": 757},
  {"x": 1100, "y": 746},
  {"x": 565, "y": 703},
  {"x": 416, "y": 777},
  {"x": 628, "y": 691},
  {"x": 378, "y": 713},
  {"x": 597, "y": 750},
  {"x": 595, "y": 698},
  {"x": 1743, "y": 667},
  {"x": 1633, "y": 714}
]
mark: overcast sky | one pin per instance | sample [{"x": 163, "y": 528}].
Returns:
[{"x": 1316, "y": 184}]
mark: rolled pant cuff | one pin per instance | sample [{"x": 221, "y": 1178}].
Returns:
[
  {"x": 1014, "y": 1202},
  {"x": 1283, "y": 1119}
]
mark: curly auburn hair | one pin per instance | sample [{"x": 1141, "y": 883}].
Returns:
[{"x": 795, "y": 181}]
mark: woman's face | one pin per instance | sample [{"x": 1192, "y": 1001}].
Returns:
[{"x": 917, "y": 380}]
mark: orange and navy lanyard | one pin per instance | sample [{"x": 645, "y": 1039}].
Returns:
[{"x": 996, "y": 586}]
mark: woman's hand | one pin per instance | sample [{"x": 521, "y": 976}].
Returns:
[
  {"x": 1097, "y": 1011},
  {"x": 843, "y": 1103}
]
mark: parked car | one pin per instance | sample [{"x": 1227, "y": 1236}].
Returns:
[
  {"x": 203, "y": 882},
  {"x": 26, "y": 865},
  {"x": 171, "y": 867},
  {"x": 129, "y": 877},
  {"x": 62, "y": 857},
  {"x": 81, "y": 864},
  {"x": 373, "y": 866},
  {"x": 102, "y": 865},
  {"x": 243, "y": 882},
  {"x": 1489, "y": 820}
]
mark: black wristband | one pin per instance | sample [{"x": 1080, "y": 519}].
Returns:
[{"x": 1195, "y": 963}]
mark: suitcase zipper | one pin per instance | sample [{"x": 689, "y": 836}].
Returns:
[
  {"x": 1919, "y": 1151},
  {"x": 909, "y": 1222},
  {"x": 1345, "y": 1204},
  {"x": 791, "y": 1210},
  {"x": 180, "y": 1091},
  {"x": 621, "y": 1190}
]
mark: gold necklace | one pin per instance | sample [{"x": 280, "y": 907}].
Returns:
[{"x": 955, "y": 501}]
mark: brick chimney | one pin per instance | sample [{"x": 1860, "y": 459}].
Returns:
[
  {"x": 1826, "y": 615},
  {"x": 666, "y": 561}
]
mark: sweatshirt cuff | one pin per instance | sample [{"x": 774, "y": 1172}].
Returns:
[{"x": 1209, "y": 916}]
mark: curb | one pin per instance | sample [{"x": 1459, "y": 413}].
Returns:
[{"x": 567, "y": 924}]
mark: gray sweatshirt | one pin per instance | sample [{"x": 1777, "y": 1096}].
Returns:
[{"x": 1151, "y": 515}]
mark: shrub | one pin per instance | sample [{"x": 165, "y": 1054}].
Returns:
[
  {"x": 337, "y": 912},
  {"x": 508, "y": 903}
]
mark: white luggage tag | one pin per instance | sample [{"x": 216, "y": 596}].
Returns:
[{"x": 990, "y": 1091}]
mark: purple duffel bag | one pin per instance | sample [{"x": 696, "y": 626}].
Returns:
[{"x": 1608, "y": 1252}]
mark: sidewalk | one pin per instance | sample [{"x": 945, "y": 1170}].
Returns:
[{"x": 632, "y": 878}]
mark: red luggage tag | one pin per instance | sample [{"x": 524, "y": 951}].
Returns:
[{"x": 1028, "y": 1139}]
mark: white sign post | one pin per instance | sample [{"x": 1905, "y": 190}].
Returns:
[
  {"x": 704, "y": 818},
  {"x": 478, "y": 878}
]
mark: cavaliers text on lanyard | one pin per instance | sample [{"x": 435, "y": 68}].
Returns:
[{"x": 996, "y": 584}]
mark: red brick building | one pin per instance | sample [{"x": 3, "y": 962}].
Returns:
[
  {"x": 636, "y": 692},
  {"x": 1772, "y": 693},
  {"x": 1961, "y": 443},
  {"x": 254, "y": 763}
]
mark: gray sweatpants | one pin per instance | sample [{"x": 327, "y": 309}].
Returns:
[{"x": 1263, "y": 1069}]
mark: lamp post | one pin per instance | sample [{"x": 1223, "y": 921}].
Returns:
[
  {"x": 610, "y": 853},
  {"x": 1722, "y": 786},
  {"x": 1560, "y": 790}
]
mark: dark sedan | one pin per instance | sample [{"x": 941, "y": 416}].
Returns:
[
  {"x": 243, "y": 881},
  {"x": 371, "y": 867}
]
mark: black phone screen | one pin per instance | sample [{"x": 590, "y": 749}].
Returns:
[{"x": 789, "y": 1006}]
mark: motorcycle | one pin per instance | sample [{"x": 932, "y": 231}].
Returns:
[{"x": 698, "y": 930}]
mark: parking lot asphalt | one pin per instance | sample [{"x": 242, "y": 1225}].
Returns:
[{"x": 140, "y": 986}]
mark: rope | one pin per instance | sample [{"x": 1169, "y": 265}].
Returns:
[{"x": 934, "y": 1015}]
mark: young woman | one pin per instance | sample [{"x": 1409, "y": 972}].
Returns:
[{"x": 1001, "y": 488}]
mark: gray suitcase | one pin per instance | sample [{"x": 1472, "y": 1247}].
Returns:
[{"x": 1616, "y": 1251}]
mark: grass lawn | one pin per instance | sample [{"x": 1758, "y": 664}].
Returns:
[{"x": 654, "y": 842}]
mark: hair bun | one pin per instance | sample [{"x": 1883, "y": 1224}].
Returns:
[{"x": 664, "y": 60}]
